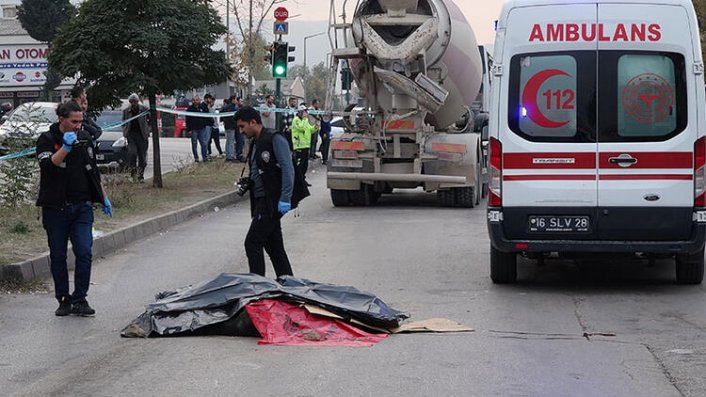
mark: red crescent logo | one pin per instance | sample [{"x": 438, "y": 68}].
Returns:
[{"x": 529, "y": 98}]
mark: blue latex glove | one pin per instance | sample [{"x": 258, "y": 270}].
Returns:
[
  {"x": 284, "y": 207},
  {"x": 107, "y": 207},
  {"x": 69, "y": 140}
]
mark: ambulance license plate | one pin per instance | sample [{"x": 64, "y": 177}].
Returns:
[{"x": 559, "y": 224}]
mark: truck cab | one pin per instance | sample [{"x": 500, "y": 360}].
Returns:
[{"x": 596, "y": 138}]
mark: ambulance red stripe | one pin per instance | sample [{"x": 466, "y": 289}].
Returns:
[
  {"x": 514, "y": 178},
  {"x": 648, "y": 177}
]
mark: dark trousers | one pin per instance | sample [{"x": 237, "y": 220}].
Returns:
[
  {"x": 239, "y": 145},
  {"x": 74, "y": 222},
  {"x": 137, "y": 154},
  {"x": 266, "y": 233},
  {"x": 302, "y": 157},
  {"x": 215, "y": 136},
  {"x": 314, "y": 142},
  {"x": 325, "y": 143}
]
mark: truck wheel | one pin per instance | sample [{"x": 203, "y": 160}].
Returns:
[
  {"x": 362, "y": 197},
  {"x": 503, "y": 266},
  {"x": 690, "y": 268},
  {"x": 465, "y": 196},
  {"x": 339, "y": 198},
  {"x": 446, "y": 198}
]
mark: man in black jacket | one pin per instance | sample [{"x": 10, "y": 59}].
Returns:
[
  {"x": 69, "y": 183},
  {"x": 78, "y": 95},
  {"x": 271, "y": 185},
  {"x": 197, "y": 127}
]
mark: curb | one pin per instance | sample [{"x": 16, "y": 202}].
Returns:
[{"x": 39, "y": 267}]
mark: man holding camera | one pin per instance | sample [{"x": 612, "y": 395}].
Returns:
[
  {"x": 69, "y": 185},
  {"x": 271, "y": 183}
]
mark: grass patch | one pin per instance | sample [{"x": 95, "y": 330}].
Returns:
[
  {"x": 19, "y": 287},
  {"x": 22, "y": 236}
]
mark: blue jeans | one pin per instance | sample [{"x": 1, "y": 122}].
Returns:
[
  {"x": 74, "y": 222},
  {"x": 230, "y": 144},
  {"x": 239, "y": 145},
  {"x": 200, "y": 137}
]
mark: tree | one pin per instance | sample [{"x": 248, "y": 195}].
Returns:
[
  {"x": 252, "y": 12},
  {"x": 42, "y": 19},
  {"x": 314, "y": 80},
  {"x": 149, "y": 47}
]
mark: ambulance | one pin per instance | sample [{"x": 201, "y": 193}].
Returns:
[{"x": 597, "y": 134}]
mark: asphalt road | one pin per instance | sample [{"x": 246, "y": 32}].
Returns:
[{"x": 419, "y": 258}]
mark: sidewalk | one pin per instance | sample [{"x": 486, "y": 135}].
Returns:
[{"x": 108, "y": 243}]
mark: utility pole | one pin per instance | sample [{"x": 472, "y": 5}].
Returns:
[
  {"x": 305, "y": 39},
  {"x": 251, "y": 55}
]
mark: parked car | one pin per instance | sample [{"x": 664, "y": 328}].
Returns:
[
  {"x": 111, "y": 145},
  {"x": 26, "y": 122}
]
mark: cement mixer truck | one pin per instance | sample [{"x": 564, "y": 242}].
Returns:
[{"x": 419, "y": 72}]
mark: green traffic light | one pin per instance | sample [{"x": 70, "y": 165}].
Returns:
[{"x": 280, "y": 70}]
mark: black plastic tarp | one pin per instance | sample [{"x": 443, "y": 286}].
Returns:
[{"x": 217, "y": 304}]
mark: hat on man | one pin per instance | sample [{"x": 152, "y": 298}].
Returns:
[
  {"x": 133, "y": 97},
  {"x": 302, "y": 108}
]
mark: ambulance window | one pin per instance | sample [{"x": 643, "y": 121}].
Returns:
[
  {"x": 548, "y": 102},
  {"x": 643, "y": 96},
  {"x": 646, "y": 86}
]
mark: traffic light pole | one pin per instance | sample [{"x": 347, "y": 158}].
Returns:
[{"x": 280, "y": 100}]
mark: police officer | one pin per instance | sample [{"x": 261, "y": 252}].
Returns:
[
  {"x": 271, "y": 185},
  {"x": 69, "y": 183}
]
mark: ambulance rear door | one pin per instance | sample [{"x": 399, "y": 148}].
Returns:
[
  {"x": 549, "y": 175},
  {"x": 647, "y": 122}
]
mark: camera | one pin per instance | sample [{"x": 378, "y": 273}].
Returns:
[{"x": 243, "y": 186}]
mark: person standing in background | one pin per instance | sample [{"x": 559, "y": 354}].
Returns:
[
  {"x": 230, "y": 126},
  {"x": 269, "y": 119},
  {"x": 301, "y": 139},
  {"x": 78, "y": 95},
  {"x": 288, "y": 118},
  {"x": 197, "y": 128},
  {"x": 137, "y": 133},
  {"x": 213, "y": 129},
  {"x": 315, "y": 120}
]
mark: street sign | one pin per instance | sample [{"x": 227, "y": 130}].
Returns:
[
  {"x": 281, "y": 27},
  {"x": 281, "y": 14}
]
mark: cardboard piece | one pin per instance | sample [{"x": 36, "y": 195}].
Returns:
[{"x": 436, "y": 325}]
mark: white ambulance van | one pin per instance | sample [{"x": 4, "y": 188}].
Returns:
[{"x": 597, "y": 133}]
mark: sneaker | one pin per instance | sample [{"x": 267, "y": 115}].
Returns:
[
  {"x": 82, "y": 309},
  {"x": 64, "y": 307}
]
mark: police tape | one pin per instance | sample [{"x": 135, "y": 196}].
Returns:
[
  {"x": 30, "y": 151},
  {"x": 231, "y": 114}
]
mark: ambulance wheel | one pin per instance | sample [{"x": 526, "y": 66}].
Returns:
[
  {"x": 690, "y": 268},
  {"x": 446, "y": 198},
  {"x": 339, "y": 198},
  {"x": 503, "y": 266},
  {"x": 465, "y": 197},
  {"x": 362, "y": 197}
]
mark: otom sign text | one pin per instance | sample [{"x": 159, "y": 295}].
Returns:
[{"x": 23, "y": 65}]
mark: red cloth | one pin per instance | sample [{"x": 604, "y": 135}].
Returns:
[{"x": 282, "y": 323}]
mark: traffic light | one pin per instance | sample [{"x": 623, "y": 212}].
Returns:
[
  {"x": 346, "y": 78},
  {"x": 280, "y": 55}
]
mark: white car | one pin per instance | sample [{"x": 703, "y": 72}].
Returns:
[{"x": 27, "y": 121}]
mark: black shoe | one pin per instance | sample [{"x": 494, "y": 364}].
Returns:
[
  {"x": 82, "y": 309},
  {"x": 324, "y": 162},
  {"x": 64, "y": 307},
  {"x": 308, "y": 184}
]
